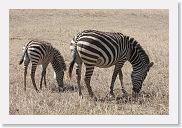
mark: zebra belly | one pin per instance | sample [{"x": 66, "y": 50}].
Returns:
[{"x": 104, "y": 65}]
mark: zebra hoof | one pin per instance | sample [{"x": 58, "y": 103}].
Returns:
[
  {"x": 62, "y": 89},
  {"x": 134, "y": 94},
  {"x": 37, "y": 91},
  {"x": 111, "y": 95},
  {"x": 94, "y": 98},
  {"x": 81, "y": 96},
  {"x": 124, "y": 92}
]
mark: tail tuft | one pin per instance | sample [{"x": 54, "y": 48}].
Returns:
[
  {"x": 72, "y": 64},
  {"x": 73, "y": 48},
  {"x": 24, "y": 52},
  {"x": 21, "y": 61},
  {"x": 71, "y": 68}
]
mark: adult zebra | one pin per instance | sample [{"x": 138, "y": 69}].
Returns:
[
  {"x": 104, "y": 49},
  {"x": 42, "y": 53}
]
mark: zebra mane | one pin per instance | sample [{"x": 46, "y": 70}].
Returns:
[
  {"x": 58, "y": 58},
  {"x": 140, "y": 50}
]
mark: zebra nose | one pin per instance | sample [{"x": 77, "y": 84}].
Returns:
[
  {"x": 61, "y": 88},
  {"x": 135, "y": 94},
  {"x": 136, "y": 90}
]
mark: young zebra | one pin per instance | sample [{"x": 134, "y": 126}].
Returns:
[
  {"x": 105, "y": 49},
  {"x": 42, "y": 53}
]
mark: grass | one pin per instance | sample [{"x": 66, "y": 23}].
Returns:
[{"x": 148, "y": 27}]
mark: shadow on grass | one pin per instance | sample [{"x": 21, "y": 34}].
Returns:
[
  {"x": 67, "y": 88},
  {"x": 120, "y": 98},
  {"x": 124, "y": 98}
]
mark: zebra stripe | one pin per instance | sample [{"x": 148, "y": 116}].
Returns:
[
  {"x": 42, "y": 53},
  {"x": 105, "y": 49}
]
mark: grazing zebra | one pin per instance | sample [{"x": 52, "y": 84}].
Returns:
[
  {"x": 42, "y": 53},
  {"x": 104, "y": 49}
]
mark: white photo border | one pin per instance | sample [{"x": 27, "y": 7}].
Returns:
[{"x": 172, "y": 6}]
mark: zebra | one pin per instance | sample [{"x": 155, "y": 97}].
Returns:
[
  {"x": 105, "y": 49},
  {"x": 42, "y": 53}
]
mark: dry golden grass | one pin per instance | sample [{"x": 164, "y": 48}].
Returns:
[{"x": 148, "y": 27}]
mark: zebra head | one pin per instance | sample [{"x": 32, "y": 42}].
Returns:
[
  {"x": 59, "y": 72},
  {"x": 139, "y": 77},
  {"x": 59, "y": 78},
  {"x": 59, "y": 67}
]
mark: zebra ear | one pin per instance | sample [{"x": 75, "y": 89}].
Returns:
[{"x": 150, "y": 65}]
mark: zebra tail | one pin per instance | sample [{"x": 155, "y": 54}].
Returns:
[
  {"x": 71, "y": 65},
  {"x": 22, "y": 59},
  {"x": 25, "y": 52}
]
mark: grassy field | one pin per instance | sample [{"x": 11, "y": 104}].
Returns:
[{"x": 148, "y": 27}]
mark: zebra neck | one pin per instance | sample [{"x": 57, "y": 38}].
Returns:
[
  {"x": 57, "y": 65},
  {"x": 137, "y": 56},
  {"x": 137, "y": 65}
]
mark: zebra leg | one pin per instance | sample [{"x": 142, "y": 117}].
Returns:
[
  {"x": 25, "y": 74},
  {"x": 34, "y": 66},
  {"x": 78, "y": 76},
  {"x": 117, "y": 70},
  {"x": 43, "y": 75},
  {"x": 41, "y": 78},
  {"x": 88, "y": 74},
  {"x": 26, "y": 63},
  {"x": 115, "y": 73},
  {"x": 45, "y": 83},
  {"x": 121, "y": 81}
]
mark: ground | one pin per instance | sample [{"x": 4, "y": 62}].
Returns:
[{"x": 148, "y": 27}]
